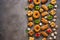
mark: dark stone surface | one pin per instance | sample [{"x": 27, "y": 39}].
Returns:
[{"x": 13, "y": 21}]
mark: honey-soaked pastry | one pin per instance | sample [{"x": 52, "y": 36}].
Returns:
[
  {"x": 30, "y": 19},
  {"x": 44, "y": 20},
  {"x": 31, "y": 38},
  {"x": 53, "y": 12},
  {"x": 37, "y": 28},
  {"x": 44, "y": 27},
  {"x": 44, "y": 13},
  {"x": 31, "y": 32},
  {"x": 52, "y": 24},
  {"x": 44, "y": 38},
  {"x": 53, "y": 2},
  {"x": 36, "y": 14},
  {"x": 30, "y": 13},
  {"x": 30, "y": 24},
  {"x": 45, "y": 7},
  {"x": 41, "y": 10},
  {"x": 44, "y": 34},
  {"x": 31, "y": 6},
  {"x": 44, "y": 1},
  {"x": 37, "y": 1}
]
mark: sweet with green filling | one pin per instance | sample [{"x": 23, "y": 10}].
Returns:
[
  {"x": 50, "y": 6},
  {"x": 37, "y": 7},
  {"x": 36, "y": 21},
  {"x": 50, "y": 17}
]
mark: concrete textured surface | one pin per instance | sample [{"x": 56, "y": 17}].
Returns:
[{"x": 13, "y": 21}]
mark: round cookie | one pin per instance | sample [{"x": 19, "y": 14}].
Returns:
[
  {"x": 36, "y": 14},
  {"x": 37, "y": 28},
  {"x": 36, "y": 2}
]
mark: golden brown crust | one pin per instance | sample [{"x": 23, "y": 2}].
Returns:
[
  {"x": 36, "y": 14},
  {"x": 37, "y": 28},
  {"x": 30, "y": 24},
  {"x": 44, "y": 13},
  {"x": 31, "y": 6},
  {"x": 45, "y": 7},
  {"x": 30, "y": 19},
  {"x": 37, "y": 1},
  {"x": 44, "y": 34},
  {"x": 31, "y": 32},
  {"x": 44, "y": 20},
  {"x": 44, "y": 27}
]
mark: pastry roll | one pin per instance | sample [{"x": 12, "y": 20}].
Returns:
[
  {"x": 44, "y": 27},
  {"x": 44, "y": 39},
  {"x": 45, "y": 7},
  {"x": 44, "y": 20},
  {"x": 44, "y": 13},
  {"x": 44, "y": 34}
]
